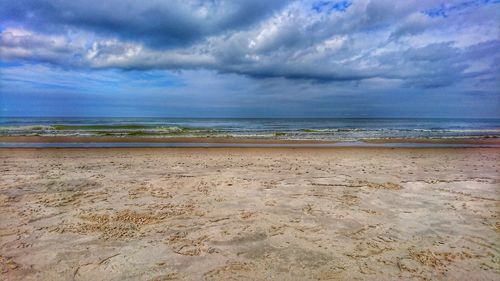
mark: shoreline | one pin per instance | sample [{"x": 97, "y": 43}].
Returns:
[
  {"x": 11, "y": 142},
  {"x": 81, "y": 139}
]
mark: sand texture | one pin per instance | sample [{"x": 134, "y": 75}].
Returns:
[{"x": 250, "y": 214}]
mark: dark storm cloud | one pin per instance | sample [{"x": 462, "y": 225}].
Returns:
[{"x": 158, "y": 23}]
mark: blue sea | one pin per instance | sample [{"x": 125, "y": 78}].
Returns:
[{"x": 335, "y": 129}]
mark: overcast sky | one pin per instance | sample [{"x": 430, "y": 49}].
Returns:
[{"x": 253, "y": 58}]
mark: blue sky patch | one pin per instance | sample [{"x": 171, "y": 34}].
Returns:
[{"x": 329, "y": 6}]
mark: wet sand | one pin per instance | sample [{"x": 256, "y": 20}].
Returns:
[
  {"x": 250, "y": 214},
  {"x": 242, "y": 140}
]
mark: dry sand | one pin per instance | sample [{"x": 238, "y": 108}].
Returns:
[{"x": 249, "y": 214}]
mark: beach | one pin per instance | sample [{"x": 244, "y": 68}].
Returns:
[
  {"x": 250, "y": 214},
  {"x": 249, "y": 140}
]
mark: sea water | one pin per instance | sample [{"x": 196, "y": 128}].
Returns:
[{"x": 335, "y": 129}]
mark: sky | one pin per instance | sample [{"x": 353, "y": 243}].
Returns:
[{"x": 250, "y": 58}]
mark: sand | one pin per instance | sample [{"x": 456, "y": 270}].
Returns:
[{"x": 250, "y": 214}]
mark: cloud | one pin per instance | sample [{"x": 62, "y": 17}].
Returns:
[
  {"x": 415, "y": 23},
  {"x": 320, "y": 41},
  {"x": 158, "y": 23},
  {"x": 29, "y": 90}
]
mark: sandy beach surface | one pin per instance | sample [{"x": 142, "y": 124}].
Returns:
[{"x": 250, "y": 214}]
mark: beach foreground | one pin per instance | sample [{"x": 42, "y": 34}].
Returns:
[{"x": 250, "y": 214}]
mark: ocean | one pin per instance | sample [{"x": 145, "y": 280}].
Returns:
[{"x": 334, "y": 129}]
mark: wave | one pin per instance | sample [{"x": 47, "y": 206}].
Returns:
[
  {"x": 248, "y": 130},
  {"x": 347, "y": 130}
]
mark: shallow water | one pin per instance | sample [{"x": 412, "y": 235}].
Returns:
[{"x": 343, "y": 129}]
